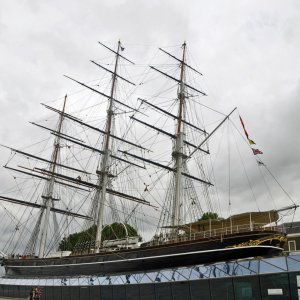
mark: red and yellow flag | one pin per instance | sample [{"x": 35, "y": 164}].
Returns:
[{"x": 251, "y": 142}]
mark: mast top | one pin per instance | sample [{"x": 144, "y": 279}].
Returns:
[
  {"x": 180, "y": 60},
  {"x": 117, "y": 53}
]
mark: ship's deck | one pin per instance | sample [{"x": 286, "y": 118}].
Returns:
[{"x": 164, "y": 239}]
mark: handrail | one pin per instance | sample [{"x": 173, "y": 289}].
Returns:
[
  {"x": 165, "y": 239},
  {"x": 220, "y": 232}
]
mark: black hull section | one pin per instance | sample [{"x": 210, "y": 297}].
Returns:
[
  {"x": 141, "y": 264},
  {"x": 145, "y": 258}
]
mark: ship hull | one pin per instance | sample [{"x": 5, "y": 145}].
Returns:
[
  {"x": 128, "y": 265},
  {"x": 145, "y": 258}
]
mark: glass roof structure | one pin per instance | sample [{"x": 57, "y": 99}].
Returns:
[{"x": 245, "y": 267}]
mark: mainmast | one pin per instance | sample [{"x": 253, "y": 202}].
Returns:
[
  {"x": 179, "y": 150},
  {"x": 103, "y": 173},
  {"x": 48, "y": 194}
]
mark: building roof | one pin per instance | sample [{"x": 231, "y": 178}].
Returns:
[{"x": 291, "y": 227}]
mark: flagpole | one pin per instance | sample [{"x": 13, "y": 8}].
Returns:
[{"x": 205, "y": 140}]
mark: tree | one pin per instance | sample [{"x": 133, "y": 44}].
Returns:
[
  {"x": 209, "y": 215},
  {"x": 118, "y": 231},
  {"x": 110, "y": 232}
]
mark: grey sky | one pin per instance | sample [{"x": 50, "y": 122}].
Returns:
[{"x": 248, "y": 52}]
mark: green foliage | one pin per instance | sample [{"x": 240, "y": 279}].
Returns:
[
  {"x": 209, "y": 215},
  {"x": 109, "y": 232},
  {"x": 117, "y": 231}
]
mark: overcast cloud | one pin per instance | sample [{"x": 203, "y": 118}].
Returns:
[{"x": 248, "y": 52}]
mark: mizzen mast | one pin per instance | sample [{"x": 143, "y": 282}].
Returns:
[{"x": 48, "y": 193}]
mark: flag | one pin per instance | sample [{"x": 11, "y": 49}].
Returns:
[
  {"x": 122, "y": 48},
  {"x": 246, "y": 133},
  {"x": 251, "y": 142},
  {"x": 256, "y": 151}
]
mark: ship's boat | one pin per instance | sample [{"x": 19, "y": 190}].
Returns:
[{"x": 138, "y": 164}]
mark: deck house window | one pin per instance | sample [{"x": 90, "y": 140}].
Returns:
[{"x": 292, "y": 245}]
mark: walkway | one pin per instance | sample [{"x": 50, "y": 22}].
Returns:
[{"x": 8, "y": 298}]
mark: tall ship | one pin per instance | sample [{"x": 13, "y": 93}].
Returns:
[{"x": 119, "y": 157}]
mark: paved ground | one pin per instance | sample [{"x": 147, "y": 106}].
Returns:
[{"x": 6, "y": 298}]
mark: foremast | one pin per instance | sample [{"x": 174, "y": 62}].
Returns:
[
  {"x": 177, "y": 193},
  {"x": 103, "y": 172},
  {"x": 178, "y": 154},
  {"x": 48, "y": 193}
]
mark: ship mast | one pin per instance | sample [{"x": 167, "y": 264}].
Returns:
[
  {"x": 181, "y": 175},
  {"x": 178, "y": 153},
  {"x": 48, "y": 194},
  {"x": 103, "y": 173},
  {"x": 51, "y": 175}
]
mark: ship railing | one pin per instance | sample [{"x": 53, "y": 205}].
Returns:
[
  {"x": 238, "y": 229},
  {"x": 213, "y": 233}
]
